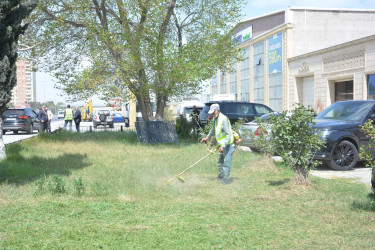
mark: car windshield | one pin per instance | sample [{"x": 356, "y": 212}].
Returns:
[{"x": 346, "y": 111}]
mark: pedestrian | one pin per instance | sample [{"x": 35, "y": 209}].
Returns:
[
  {"x": 194, "y": 114},
  {"x": 77, "y": 118},
  {"x": 68, "y": 117},
  {"x": 43, "y": 119},
  {"x": 50, "y": 116},
  {"x": 222, "y": 131}
]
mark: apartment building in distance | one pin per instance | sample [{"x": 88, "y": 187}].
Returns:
[{"x": 25, "y": 90}]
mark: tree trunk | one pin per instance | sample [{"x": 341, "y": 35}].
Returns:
[
  {"x": 145, "y": 106},
  {"x": 160, "y": 106},
  {"x": 301, "y": 176},
  {"x": 2, "y": 145}
]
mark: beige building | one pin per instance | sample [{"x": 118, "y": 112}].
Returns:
[
  {"x": 25, "y": 90},
  {"x": 272, "y": 41},
  {"x": 338, "y": 73}
]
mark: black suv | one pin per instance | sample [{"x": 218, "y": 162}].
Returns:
[
  {"x": 236, "y": 110},
  {"x": 24, "y": 119}
]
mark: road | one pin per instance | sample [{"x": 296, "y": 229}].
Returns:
[{"x": 9, "y": 137}]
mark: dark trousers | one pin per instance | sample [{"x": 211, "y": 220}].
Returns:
[
  {"x": 43, "y": 126},
  {"x": 77, "y": 126}
]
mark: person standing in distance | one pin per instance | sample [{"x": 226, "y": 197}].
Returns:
[
  {"x": 68, "y": 117},
  {"x": 43, "y": 119},
  {"x": 77, "y": 118},
  {"x": 222, "y": 131},
  {"x": 50, "y": 116}
]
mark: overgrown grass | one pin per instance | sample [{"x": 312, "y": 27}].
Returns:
[{"x": 115, "y": 195}]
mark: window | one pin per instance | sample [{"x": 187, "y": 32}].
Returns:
[
  {"x": 371, "y": 87},
  {"x": 245, "y": 76},
  {"x": 261, "y": 109},
  {"x": 259, "y": 72},
  {"x": 343, "y": 91},
  {"x": 223, "y": 83},
  {"x": 233, "y": 79}
]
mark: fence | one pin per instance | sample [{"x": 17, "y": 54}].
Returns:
[{"x": 116, "y": 128}]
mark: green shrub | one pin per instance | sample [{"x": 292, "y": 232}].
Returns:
[
  {"x": 79, "y": 187},
  {"x": 369, "y": 131},
  {"x": 295, "y": 140},
  {"x": 185, "y": 129},
  {"x": 56, "y": 184}
]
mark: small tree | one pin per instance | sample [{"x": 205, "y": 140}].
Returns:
[
  {"x": 369, "y": 131},
  {"x": 12, "y": 13},
  {"x": 295, "y": 140}
]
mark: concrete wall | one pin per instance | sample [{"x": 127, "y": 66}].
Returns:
[{"x": 318, "y": 29}]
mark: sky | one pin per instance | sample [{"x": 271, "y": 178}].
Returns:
[{"x": 46, "y": 90}]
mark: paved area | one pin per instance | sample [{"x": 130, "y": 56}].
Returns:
[{"x": 360, "y": 174}]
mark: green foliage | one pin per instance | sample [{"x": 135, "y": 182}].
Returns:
[
  {"x": 79, "y": 187},
  {"x": 144, "y": 46},
  {"x": 366, "y": 154},
  {"x": 12, "y": 14},
  {"x": 53, "y": 185},
  {"x": 185, "y": 129},
  {"x": 295, "y": 140},
  {"x": 207, "y": 128},
  {"x": 262, "y": 142}
]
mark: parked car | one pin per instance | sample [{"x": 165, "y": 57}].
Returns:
[
  {"x": 60, "y": 114},
  {"x": 103, "y": 118},
  {"x": 117, "y": 117},
  {"x": 340, "y": 126},
  {"x": 250, "y": 130},
  {"x": 24, "y": 119},
  {"x": 236, "y": 110}
]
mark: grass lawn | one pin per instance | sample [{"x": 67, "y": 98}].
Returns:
[{"x": 106, "y": 190}]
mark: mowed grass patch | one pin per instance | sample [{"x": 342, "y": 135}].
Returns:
[{"x": 125, "y": 201}]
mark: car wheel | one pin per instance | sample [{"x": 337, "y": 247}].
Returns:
[
  {"x": 15, "y": 131},
  {"x": 31, "y": 129},
  {"x": 4, "y": 131},
  {"x": 111, "y": 125},
  {"x": 344, "y": 156}
]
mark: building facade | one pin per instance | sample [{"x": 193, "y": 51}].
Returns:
[
  {"x": 338, "y": 73},
  {"x": 269, "y": 41},
  {"x": 25, "y": 90}
]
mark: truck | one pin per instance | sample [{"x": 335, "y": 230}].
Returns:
[
  {"x": 87, "y": 112},
  {"x": 127, "y": 109}
]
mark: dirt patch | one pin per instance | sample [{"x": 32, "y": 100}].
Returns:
[{"x": 126, "y": 198}]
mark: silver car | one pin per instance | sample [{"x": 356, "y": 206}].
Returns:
[
  {"x": 103, "y": 117},
  {"x": 251, "y": 130}
]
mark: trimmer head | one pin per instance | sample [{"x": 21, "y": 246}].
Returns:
[{"x": 180, "y": 178}]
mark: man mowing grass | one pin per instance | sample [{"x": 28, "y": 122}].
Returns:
[{"x": 223, "y": 133}]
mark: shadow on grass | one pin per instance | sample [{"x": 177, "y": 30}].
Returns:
[
  {"x": 278, "y": 183},
  {"x": 368, "y": 205},
  {"x": 64, "y": 136},
  {"x": 18, "y": 170}
]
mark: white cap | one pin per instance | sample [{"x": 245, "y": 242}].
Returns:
[{"x": 213, "y": 108}]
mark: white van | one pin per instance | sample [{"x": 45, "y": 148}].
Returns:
[
  {"x": 60, "y": 114},
  {"x": 126, "y": 112}
]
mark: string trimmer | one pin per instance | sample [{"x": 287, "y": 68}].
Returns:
[{"x": 179, "y": 177}]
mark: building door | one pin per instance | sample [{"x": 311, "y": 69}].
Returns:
[
  {"x": 343, "y": 91},
  {"x": 308, "y": 92}
]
